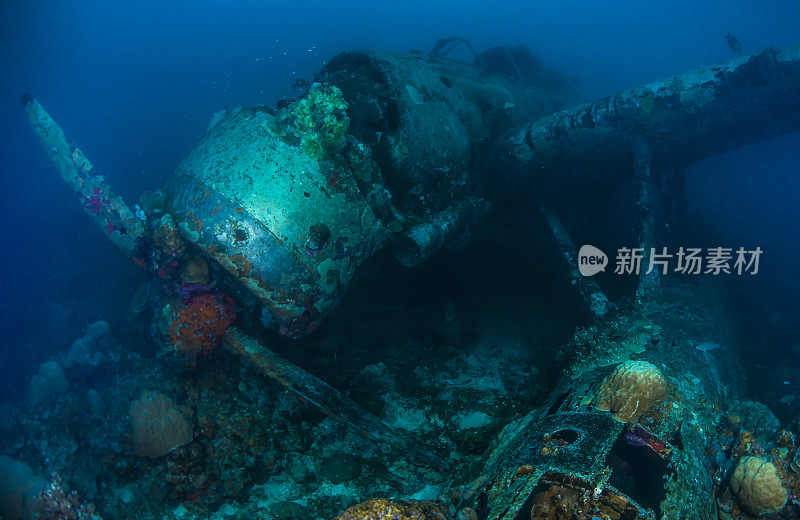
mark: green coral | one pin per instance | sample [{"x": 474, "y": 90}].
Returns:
[{"x": 319, "y": 120}]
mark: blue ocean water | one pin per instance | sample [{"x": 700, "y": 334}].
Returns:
[{"x": 134, "y": 85}]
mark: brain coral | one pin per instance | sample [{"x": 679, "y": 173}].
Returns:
[
  {"x": 757, "y": 485},
  {"x": 631, "y": 389},
  {"x": 158, "y": 425},
  {"x": 385, "y": 509}
]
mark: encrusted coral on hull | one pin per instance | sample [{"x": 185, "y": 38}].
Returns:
[
  {"x": 631, "y": 389},
  {"x": 384, "y": 509}
]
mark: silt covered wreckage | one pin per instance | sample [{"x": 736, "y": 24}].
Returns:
[{"x": 274, "y": 211}]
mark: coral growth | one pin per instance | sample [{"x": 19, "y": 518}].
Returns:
[
  {"x": 194, "y": 270},
  {"x": 559, "y": 502},
  {"x": 50, "y": 381},
  {"x": 58, "y": 503},
  {"x": 158, "y": 425},
  {"x": 382, "y": 508},
  {"x": 745, "y": 444},
  {"x": 631, "y": 389},
  {"x": 320, "y": 119},
  {"x": 95, "y": 202},
  {"x": 168, "y": 239},
  {"x": 573, "y": 500},
  {"x": 18, "y": 487},
  {"x": 195, "y": 278},
  {"x": 757, "y": 485},
  {"x": 202, "y": 320}
]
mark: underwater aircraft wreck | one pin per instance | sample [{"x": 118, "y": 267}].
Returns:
[{"x": 269, "y": 217}]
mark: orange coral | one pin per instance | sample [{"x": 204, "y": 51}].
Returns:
[
  {"x": 201, "y": 322},
  {"x": 385, "y": 509},
  {"x": 631, "y": 389},
  {"x": 757, "y": 485}
]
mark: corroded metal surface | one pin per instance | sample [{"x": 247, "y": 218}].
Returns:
[
  {"x": 282, "y": 216},
  {"x": 106, "y": 209},
  {"x": 682, "y": 118},
  {"x": 232, "y": 236},
  {"x": 431, "y": 122},
  {"x": 569, "y": 458}
]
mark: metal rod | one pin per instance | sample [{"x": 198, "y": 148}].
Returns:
[
  {"x": 106, "y": 209},
  {"x": 329, "y": 400},
  {"x": 592, "y": 295}
]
